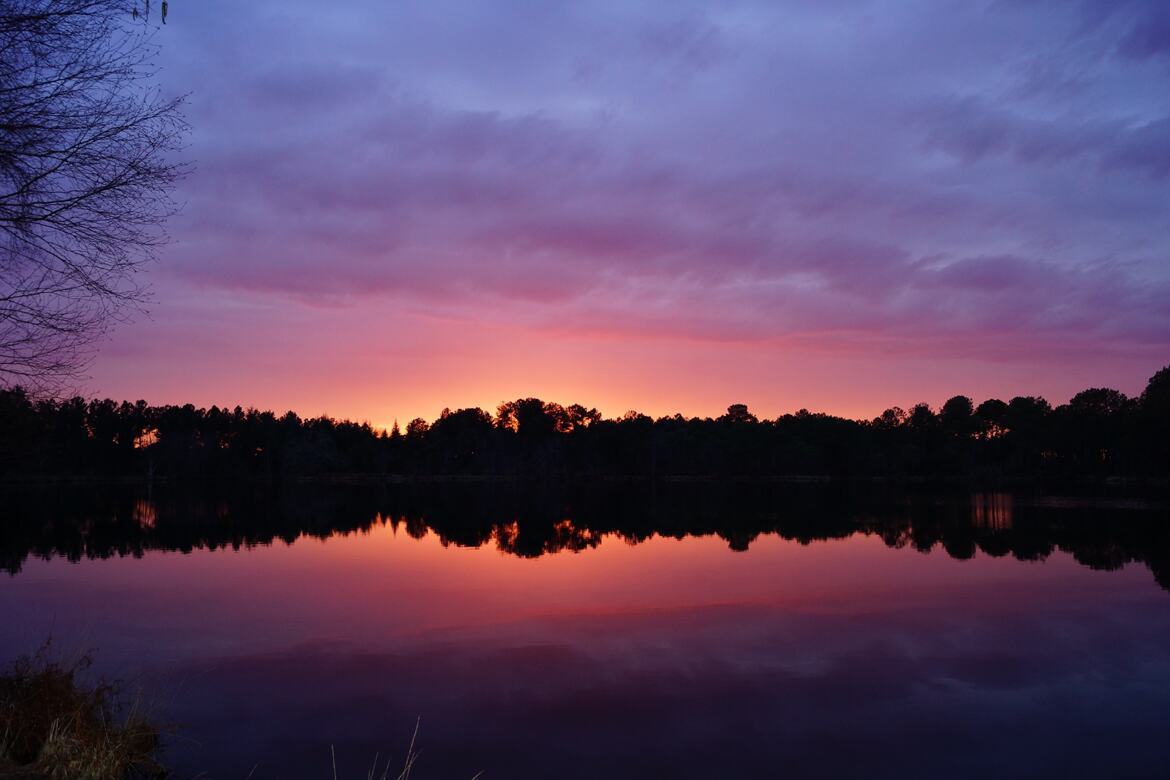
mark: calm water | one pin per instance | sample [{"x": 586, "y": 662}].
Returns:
[{"x": 683, "y": 632}]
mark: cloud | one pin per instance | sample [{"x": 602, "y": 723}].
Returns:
[
  {"x": 971, "y": 130},
  {"x": 974, "y": 179}
]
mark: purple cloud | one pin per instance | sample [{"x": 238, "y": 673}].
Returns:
[
  {"x": 948, "y": 179},
  {"x": 970, "y": 130}
]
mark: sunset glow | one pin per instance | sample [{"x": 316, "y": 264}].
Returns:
[
  {"x": 397, "y": 208},
  {"x": 542, "y": 389}
]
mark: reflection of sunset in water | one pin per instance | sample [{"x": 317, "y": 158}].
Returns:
[
  {"x": 381, "y": 583},
  {"x": 554, "y": 638}
]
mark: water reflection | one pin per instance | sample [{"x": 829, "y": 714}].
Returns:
[
  {"x": 1102, "y": 533},
  {"x": 701, "y": 631},
  {"x": 716, "y": 693}
]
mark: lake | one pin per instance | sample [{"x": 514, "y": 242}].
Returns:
[{"x": 617, "y": 631}]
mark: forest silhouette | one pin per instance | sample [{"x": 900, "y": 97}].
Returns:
[{"x": 1099, "y": 433}]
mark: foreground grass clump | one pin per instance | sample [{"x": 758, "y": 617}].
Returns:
[{"x": 52, "y": 726}]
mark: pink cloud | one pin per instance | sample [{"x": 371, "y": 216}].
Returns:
[{"x": 843, "y": 179}]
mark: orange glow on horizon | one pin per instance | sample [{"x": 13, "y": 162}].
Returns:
[{"x": 415, "y": 366}]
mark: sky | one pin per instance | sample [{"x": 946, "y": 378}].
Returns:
[{"x": 839, "y": 205}]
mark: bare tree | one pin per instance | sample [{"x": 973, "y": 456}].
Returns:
[{"x": 86, "y": 174}]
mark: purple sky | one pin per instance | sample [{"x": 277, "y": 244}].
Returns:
[{"x": 839, "y": 204}]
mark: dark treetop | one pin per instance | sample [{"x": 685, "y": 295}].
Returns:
[{"x": 1100, "y": 433}]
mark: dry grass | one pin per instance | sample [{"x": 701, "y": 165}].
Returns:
[
  {"x": 412, "y": 754},
  {"x": 53, "y": 727}
]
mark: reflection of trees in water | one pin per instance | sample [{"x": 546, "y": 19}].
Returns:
[
  {"x": 991, "y": 510},
  {"x": 111, "y": 521}
]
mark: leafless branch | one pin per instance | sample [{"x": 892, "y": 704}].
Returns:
[{"x": 87, "y": 168}]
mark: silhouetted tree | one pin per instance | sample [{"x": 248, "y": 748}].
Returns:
[
  {"x": 922, "y": 418},
  {"x": 1155, "y": 399},
  {"x": 86, "y": 173},
  {"x": 891, "y": 418},
  {"x": 1098, "y": 402},
  {"x": 529, "y": 417},
  {"x": 461, "y": 440},
  {"x": 738, "y": 413},
  {"x": 991, "y": 418},
  {"x": 957, "y": 416},
  {"x": 1099, "y": 433},
  {"x": 1154, "y": 422},
  {"x": 1025, "y": 415},
  {"x": 577, "y": 416}
]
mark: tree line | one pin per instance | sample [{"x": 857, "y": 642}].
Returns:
[{"x": 1100, "y": 432}]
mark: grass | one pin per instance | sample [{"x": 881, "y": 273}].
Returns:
[
  {"x": 412, "y": 755},
  {"x": 53, "y": 726}
]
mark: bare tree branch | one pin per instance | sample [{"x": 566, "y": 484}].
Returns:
[{"x": 87, "y": 146}]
